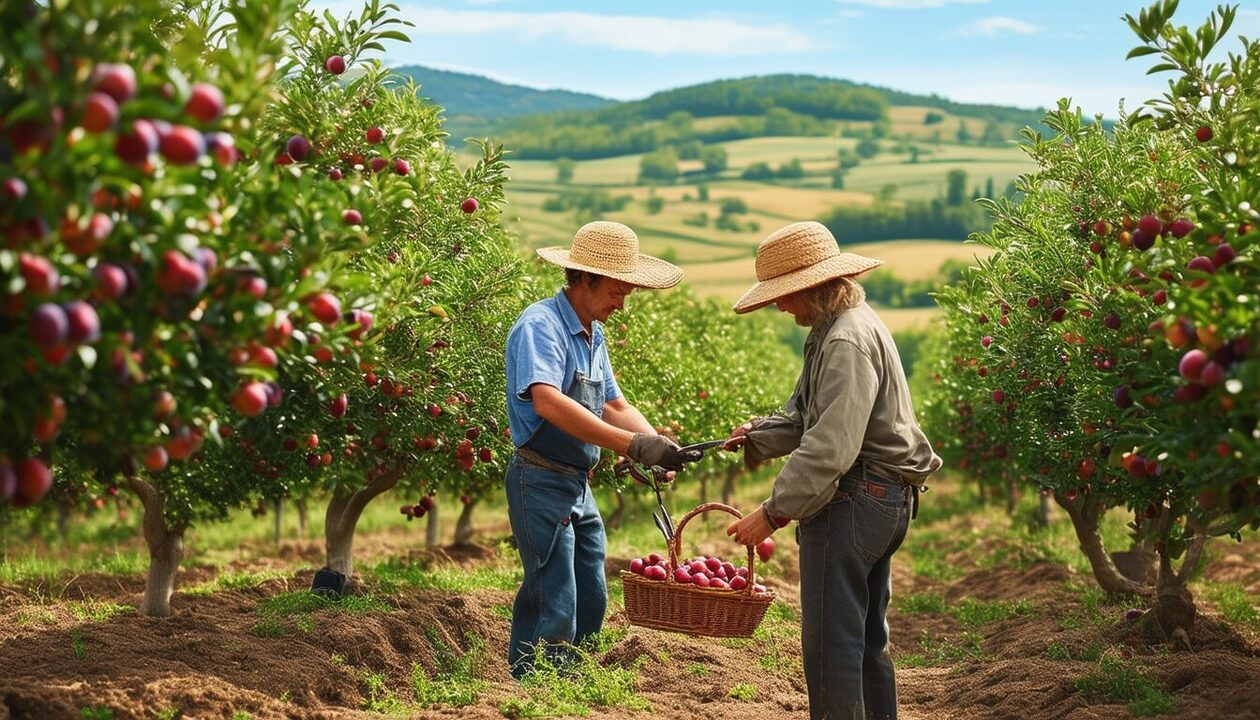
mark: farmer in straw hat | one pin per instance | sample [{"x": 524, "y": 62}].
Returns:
[
  {"x": 563, "y": 406},
  {"x": 857, "y": 462}
]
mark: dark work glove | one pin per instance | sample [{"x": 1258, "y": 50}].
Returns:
[{"x": 648, "y": 449}]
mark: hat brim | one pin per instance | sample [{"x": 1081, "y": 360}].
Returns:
[
  {"x": 767, "y": 291},
  {"x": 648, "y": 272}
]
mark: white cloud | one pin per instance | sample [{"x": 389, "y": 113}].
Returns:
[
  {"x": 912, "y": 4},
  {"x": 635, "y": 33},
  {"x": 997, "y": 25}
]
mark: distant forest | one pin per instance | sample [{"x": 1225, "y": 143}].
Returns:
[{"x": 774, "y": 105}]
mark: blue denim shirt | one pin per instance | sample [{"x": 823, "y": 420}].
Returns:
[{"x": 548, "y": 345}]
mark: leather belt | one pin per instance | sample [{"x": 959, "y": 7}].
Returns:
[{"x": 533, "y": 458}]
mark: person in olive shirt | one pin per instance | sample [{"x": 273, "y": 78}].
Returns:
[{"x": 858, "y": 460}]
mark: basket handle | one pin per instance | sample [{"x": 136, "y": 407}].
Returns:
[{"x": 676, "y": 544}]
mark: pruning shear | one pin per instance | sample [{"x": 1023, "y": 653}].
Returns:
[{"x": 657, "y": 477}]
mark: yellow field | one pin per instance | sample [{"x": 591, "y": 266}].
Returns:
[{"x": 719, "y": 263}]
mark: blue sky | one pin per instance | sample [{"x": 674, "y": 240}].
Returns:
[{"x": 1026, "y": 53}]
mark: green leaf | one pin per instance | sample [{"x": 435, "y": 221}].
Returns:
[
  {"x": 394, "y": 35},
  {"x": 1162, "y": 67},
  {"x": 1140, "y": 51}
]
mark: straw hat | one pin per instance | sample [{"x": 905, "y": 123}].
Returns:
[
  {"x": 799, "y": 256},
  {"x": 612, "y": 250}
]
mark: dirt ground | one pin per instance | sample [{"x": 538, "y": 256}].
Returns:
[{"x": 205, "y": 661}]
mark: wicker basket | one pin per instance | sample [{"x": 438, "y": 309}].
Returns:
[{"x": 690, "y": 609}]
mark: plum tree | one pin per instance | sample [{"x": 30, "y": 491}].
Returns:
[{"x": 1105, "y": 403}]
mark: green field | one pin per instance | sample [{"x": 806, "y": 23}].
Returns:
[{"x": 719, "y": 262}]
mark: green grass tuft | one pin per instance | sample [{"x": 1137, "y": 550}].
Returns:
[
  {"x": 575, "y": 687},
  {"x": 380, "y": 699},
  {"x": 454, "y": 682},
  {"x": 93, "y": 610},
  {"x": 1124, "y": 682},
  {"x": 77, "y": 647},
  {"x": 1236, "y": 604},
  {"x": 928, "y": 602},
  {"x": 392, "y": 575},
  {"x": 977, "y": 613},
  {"x": 946, "y": 650},
  {"x": 743, "y": 691},
  {"x": 233, "y": 581},
  {"x": 305, "y": 601},
  {"x": 268, "y": 629}
]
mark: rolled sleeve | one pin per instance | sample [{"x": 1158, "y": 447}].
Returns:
[
  {"x": 612, "y": 391},
  {"x": 538, "y": 357},
  {"x": 772, "y": 437},
  {"x": 847, "y": 386}
]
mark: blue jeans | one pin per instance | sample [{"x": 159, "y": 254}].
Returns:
[
  {"x": 560, "y": 536},
  {"x": 846, "y": 580}
]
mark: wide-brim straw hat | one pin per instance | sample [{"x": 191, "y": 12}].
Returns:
[
  {"x": 612, "y": 250},
  {"x": 798, "y": 257}
]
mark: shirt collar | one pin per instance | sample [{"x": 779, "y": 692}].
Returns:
[
  {"x": 573, "y": 324},
  {"x": 568, "y": 314}
]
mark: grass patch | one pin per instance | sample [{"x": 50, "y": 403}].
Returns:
[
  {"x": 36, "y": 616},
  {"x": 392, "y": 575},
  {"x": 47, "y": 569},
  {"x": 1236, "y": 605},
  {"x": 743, "y": 691},
  {"x": 1091, "y": 599},
  {"x": 928, "y": 602},
  {"x": 1124, "y": 682},
  {"x": 945, "y": 650},
  {"x": 380, "y": 699},
  {"x": 76, "y": 645},
  {"x": 503, "y": 612},
  {"x": 305, "y": 601},
  {"x": 1057, "y": 650},
  {"x": 454, "y": 682},
  {"x": 574, "y": 688},
  {"x": 96, "y": 712},
  {"x": 604, "y": 640},
  {"x": 698, "y": 669},
  {"x": 268, "y": 629},
  {"x": 233, "y": 581},
  {"x": 93, "y": 610},
  {"x": 299, "y": 605},
  {"x": 977, "y": 613}
]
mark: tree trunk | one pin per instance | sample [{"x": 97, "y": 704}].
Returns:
[
  {"x": 279, "y": 506},
  {"x": 613, "y": 522},
  {"x": 63, "y": 520},
  {"x": 166, "y": 549},
  {"x": 342, "y": 516},
  {"x": 300, "y": 506},
  {"x": 433, "y": 528},
  {"x": 1084, "y": 511},
  {"x": 1042, "y": 517},
  {"x": 728, "y": 485},
  {"x": 1012, "y": 497},
  {"x": 704, "y": 488},
  {"x": 1174, "y": 606},
  {"x": 463, "y": 526}
]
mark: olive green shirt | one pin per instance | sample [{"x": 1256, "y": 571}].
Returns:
[{"x": 851, "y": 403}]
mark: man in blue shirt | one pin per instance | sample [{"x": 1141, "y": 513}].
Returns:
[{"x": 563, "y": 406}]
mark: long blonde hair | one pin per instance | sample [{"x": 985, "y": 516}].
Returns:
[{"x": 833, "y": 296}]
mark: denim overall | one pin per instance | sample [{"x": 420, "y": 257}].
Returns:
[
  {"x": 846, "y": 579},
  {"x": 560, "y": 536}
]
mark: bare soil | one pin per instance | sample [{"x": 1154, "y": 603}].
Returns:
[{"x": 205, "y": 661}]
